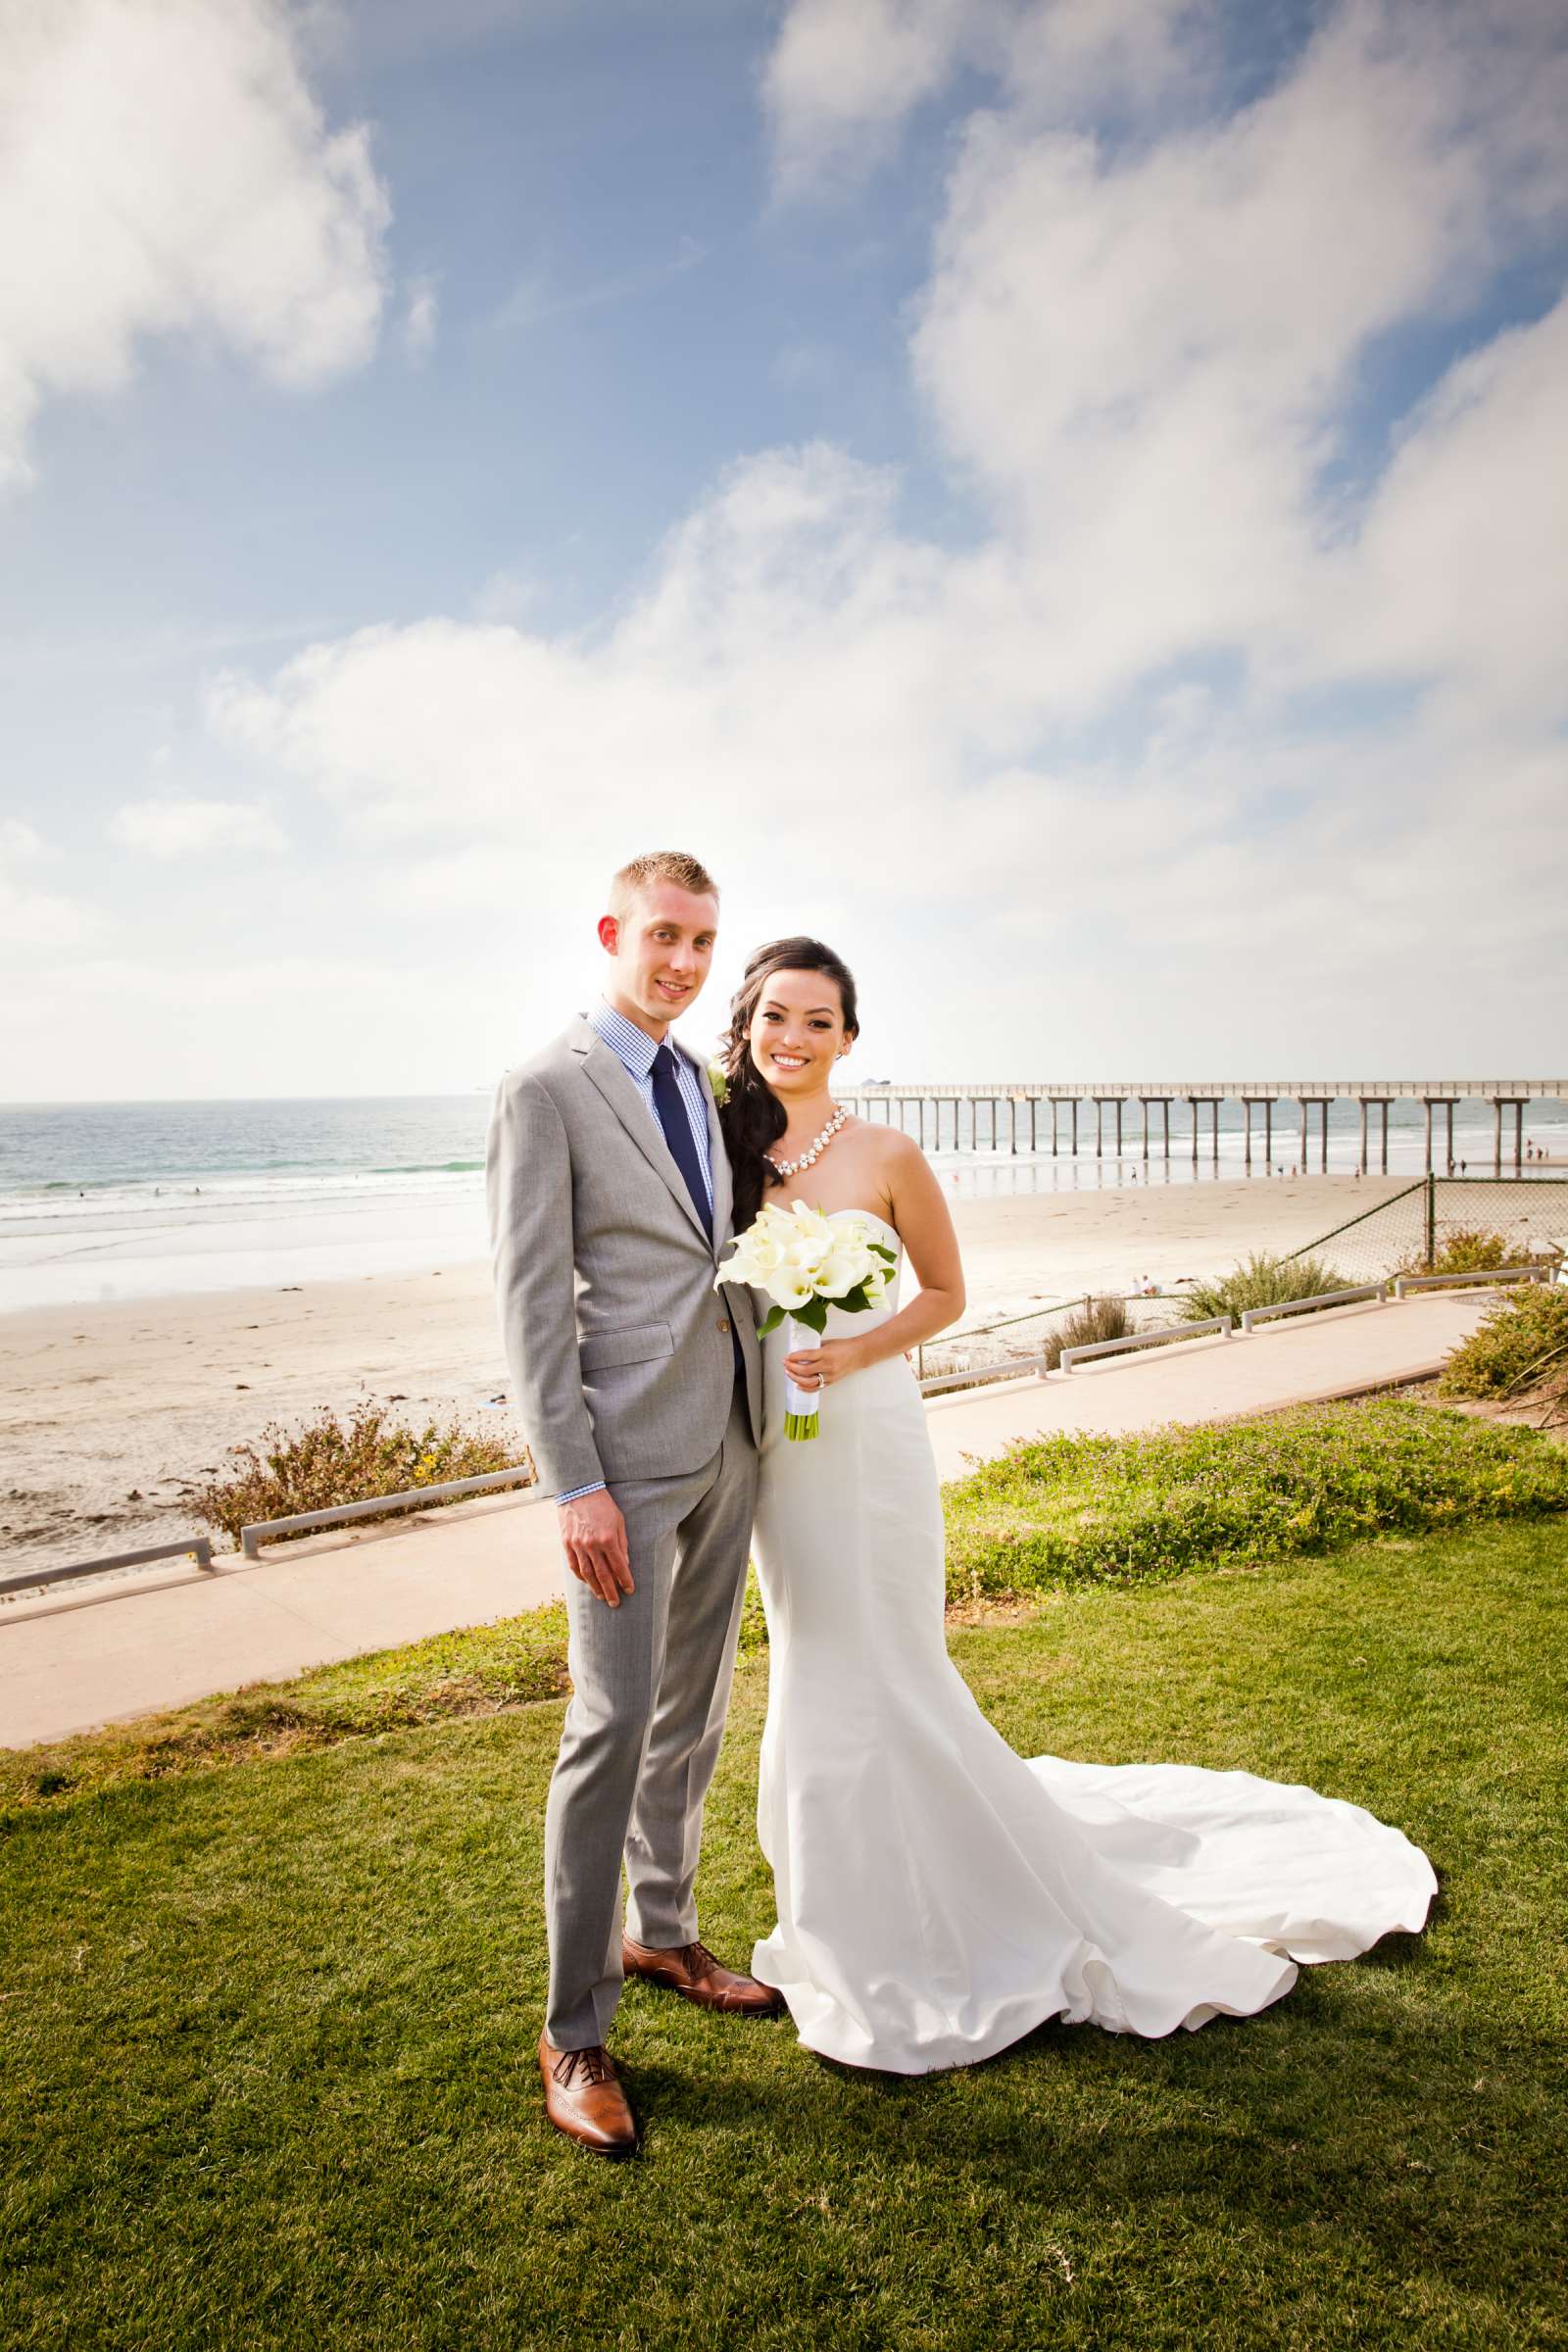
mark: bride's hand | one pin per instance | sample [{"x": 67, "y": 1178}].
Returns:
[{"x": 820, "y": 1367}]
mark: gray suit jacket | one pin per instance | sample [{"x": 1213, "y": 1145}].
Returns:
[{"x": 616, "y": 1340}]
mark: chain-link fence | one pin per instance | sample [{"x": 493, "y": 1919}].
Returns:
[
  {"x": 1440, "y": 1223},
  {"x": 1450, "y": 1224}
]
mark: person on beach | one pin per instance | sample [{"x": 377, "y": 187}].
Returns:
[
  {"x": 939, "y": 1895},
  {"x": 609, "y": 1193}
]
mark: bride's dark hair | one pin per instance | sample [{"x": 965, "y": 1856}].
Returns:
[{"x": 753, "y": 1117}]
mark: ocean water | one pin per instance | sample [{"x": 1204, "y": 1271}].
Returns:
[
  {"x": 110, "y": 1200},
  {"x": 107, "y": 1201}
]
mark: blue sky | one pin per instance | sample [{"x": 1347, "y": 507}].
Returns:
[{"x": 1067, "y": 501}]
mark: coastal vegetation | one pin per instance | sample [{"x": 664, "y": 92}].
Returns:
[
  {"x": 1464, "y": 1249},
  {"x": 331, "y": 1460},
  {"x": 268, "y": 2033},
  {"x": 1051, "y": 1516},
  {"x": 1518, "y": 1349},
  {"x": 1095, "y": 1319},
  {"x": 1264, "y": 1280},
  {"x": 1064, "y": 1511}
]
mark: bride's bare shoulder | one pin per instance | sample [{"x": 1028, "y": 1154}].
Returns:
[{"x": 887, "y": 1150}]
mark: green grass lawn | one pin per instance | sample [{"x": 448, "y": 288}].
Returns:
[{"x": 267, "y": 2035}]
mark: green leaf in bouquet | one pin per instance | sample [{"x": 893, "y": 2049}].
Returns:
[
  {"x": 771, "y": 1321},
  {"x": 855, "y": 1302},
  {"x": 881, "y": 1250},
  {"x": 813, "y": 1314}
]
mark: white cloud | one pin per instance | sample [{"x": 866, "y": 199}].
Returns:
[
  {"x": 795, "y": 661},
  {"x": 506, "y": 595},
  {"x": 169, "y": 829},
  {"x": 1147, "y": 361},
  {"x": 1150, "y": 358},
  {"x": 786, "y": 640},
  {"x": 1461, "y": 568},
  {"x": 419, "y": 321},
  {"x": 35, "y": 920},
  {"x": 842, "y": 79},
  {"x": 165, "y": 169},
  {"x": 170, "y": 1023}
]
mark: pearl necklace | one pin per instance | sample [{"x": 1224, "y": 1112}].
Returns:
[{"x": 793, "y": 1168}]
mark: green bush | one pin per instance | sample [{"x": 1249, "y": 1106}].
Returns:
[
  {"x": 1071, "y": 1510},
  {"x": 1052, "y": 1512},
  {"x": 1263, "y": 1280},
  {"x": 1465, "y": 1250},
  {"x": 1521, "y": 1344},
  {"x": 330, "y": 1461}
]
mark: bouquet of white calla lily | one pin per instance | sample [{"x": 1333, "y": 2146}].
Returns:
[{"x": 806, "y": 1262}]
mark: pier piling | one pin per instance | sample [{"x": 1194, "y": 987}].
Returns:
[
  {"x": 1515, "y": 1103},
  {"x": 920, "y": 1113}
]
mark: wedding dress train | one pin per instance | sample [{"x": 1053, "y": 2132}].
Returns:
[{"x": 938, "y": 1894}]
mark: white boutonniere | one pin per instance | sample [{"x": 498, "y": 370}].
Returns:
[{"x": 718, "y": 1081}]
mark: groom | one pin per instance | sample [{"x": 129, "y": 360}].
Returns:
[{"x": 610, "y": 1204}]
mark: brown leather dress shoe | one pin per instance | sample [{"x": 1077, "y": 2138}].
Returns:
[
  {"x": 692, "y": 1970},
  {"x": 585, "y": 2099}
]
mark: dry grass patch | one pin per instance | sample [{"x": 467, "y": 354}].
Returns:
[{"x": 330, "y": 1461}]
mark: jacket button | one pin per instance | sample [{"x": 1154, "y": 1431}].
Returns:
[{"x": 723, "y": 1322}]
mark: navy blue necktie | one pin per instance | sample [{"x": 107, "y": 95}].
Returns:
[{"x": 678, "y": 1135}]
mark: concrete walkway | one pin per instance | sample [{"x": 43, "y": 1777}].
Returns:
[{"x": 125, "y": 1649}]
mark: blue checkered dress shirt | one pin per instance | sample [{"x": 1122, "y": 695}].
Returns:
[{"x": 634, "y": 1049}]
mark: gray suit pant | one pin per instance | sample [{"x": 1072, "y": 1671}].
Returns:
[{"x": 651, "y": 1684}]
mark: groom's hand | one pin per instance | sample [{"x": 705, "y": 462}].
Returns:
[{"x": 594, "y": 1534}]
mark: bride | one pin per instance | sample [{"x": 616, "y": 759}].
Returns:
[{"x": 938, "y": 1895}]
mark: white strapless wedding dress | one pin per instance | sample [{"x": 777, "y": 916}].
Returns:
[{"x": 939, "y": 1895}]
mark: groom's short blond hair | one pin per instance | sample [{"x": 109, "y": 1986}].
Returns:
[{"x": 658, "y": 866}]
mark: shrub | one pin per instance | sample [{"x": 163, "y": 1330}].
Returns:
[
  {"x": 1464, "y": 1249},
  {"x": 1468, "y": 1250},
  {"x": 330, "y": 1461},
  {"x": 1097, "y": 1319},
  {"x": 1265, "y": 1281},
  {"x": 1520, "y": 1343},
  {"x": 1069, "y": 1510}
]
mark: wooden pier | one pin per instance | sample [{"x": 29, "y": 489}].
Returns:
[{"x": 923, "y": 1112}]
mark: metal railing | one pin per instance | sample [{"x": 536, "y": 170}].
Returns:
[
  {"x": 1253, "y": 1315},
  {"x": 1145, "y": 1339},
  {"x": 1403, "y": 1284},
  {"x": 981, "y": 1375},
  {"x": 253, "y": 1536},
  {"x": 251, "y": 1539},
  {"x": 198, "y": 1547},
  {"x": 1048, "y": 1312}
]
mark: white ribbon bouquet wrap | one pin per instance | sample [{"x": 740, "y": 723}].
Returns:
[{"x": 808, "y": 1263}]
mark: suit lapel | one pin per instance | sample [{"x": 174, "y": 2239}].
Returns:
[
  {"x": 718, "y": 1161},
  {"x": 609, "y": 1075}
]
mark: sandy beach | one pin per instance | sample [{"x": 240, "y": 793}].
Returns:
[{"x": 108, "y": 1413}]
